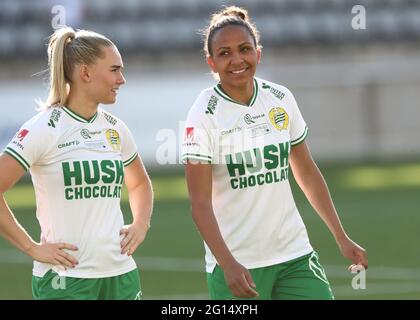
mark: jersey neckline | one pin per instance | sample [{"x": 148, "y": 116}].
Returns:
[
  {"x": 219, "y": 90},
  {"x": 79, "y": 118}
]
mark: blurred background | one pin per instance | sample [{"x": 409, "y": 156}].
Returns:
[{"x": 353, "y": 67}]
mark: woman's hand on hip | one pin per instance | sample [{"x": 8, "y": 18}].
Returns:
[
  {"x": 133, "y": 235},
  {"x": 54, "y": 253}
]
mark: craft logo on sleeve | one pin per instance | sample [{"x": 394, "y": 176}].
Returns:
[
  {"x": 189, "y": 134},
  {"x": 22, "y": 134}
]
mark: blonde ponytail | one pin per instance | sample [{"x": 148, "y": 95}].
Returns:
[{"x": 59, "y": 82}]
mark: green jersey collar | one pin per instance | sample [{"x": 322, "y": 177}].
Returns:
[
  {"x": 219, "y": 90},
  {"x": 75, "y": 116}
]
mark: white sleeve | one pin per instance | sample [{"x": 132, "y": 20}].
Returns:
[
  {"x": 298, "y": 127},
  {"x": 29, "y": 144},
  {"x": 197, "y": 141},
  {"x": 128, "y": 146}
]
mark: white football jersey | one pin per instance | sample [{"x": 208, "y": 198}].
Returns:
[
  {"x": 77, "y": 169},
  {"x": 249, "y": 147}
]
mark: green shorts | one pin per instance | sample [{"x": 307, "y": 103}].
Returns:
[
  {"x": 301, "y": 278},
  {"x": 53, "y": 287}
]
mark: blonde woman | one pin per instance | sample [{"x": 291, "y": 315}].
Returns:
[{"x": 79, "y": 156}]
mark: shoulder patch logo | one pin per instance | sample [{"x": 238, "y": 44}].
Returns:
[
  {"x": 189, "y": 134},
  {"x": 113, "y": 138},
  {"x": 279, "y": 118},
  {"x": 211, "y": 106},
  {"x": 110, "y": 119},
  {"x": 275, "y": 92},
  {"x": 55, "y": 116},
  {"x": 22, "y": 134}
]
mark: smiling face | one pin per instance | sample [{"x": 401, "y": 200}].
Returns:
[
  {"x": 234, "y": 56},
  {"x": 106, "y": 76}
]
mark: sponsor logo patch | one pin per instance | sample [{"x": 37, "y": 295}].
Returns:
[
  {"x": 211, "y": 106},
  {"x": 230, "y": 131},
  {"x": 22, "y": 134},
  {"x": 86, "y": 134},
  {"x": 110, "y": 119},
  {"x": 279, "y": 118},
  {"x": 248, "y": 119},
  {"x": 55, "y": 116},
  {"x": 252, "y": 119},
  {"x": 275, "y": 92},
  {"x": 189, "y": 134},
  {"x": 113, "y": 138},
  {"x": 68, "y": 144},
  {"x": 259, "y": 130}
]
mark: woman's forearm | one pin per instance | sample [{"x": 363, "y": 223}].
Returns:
[
  {"x": 316, "y": 191},
  {"x": 12, "y": 231},
  {"x": 141, "y": 203},
  {"x": 207, "y": 226}
]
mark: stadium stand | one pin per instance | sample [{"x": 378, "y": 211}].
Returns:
[{"x": 156, "y": 25}]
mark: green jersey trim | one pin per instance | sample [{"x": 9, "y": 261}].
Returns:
[
  {"x": 301, "y": 138},
  {"x": 75, "y": 116},
  {"x": 17, "y": 157},
  {"x": 196, "y": 156},
  {"x": 219, "y": 90},
  {"x": 130, "y": 160}
]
